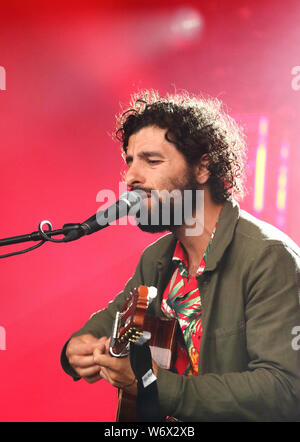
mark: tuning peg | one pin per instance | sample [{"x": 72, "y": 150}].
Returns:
[{"x": 132, "y": 340}]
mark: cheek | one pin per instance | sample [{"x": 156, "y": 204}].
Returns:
[{"x": 183, "y": 179}]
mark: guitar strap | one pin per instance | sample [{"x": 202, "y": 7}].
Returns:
[{"x": 147, "y": 404}]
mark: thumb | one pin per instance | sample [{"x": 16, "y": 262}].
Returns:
[
  {"x": 102, "y": 345},
  {"x": 101, "y": 358}
]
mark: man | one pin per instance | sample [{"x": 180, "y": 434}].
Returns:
[{"x": 233, "y": 287}]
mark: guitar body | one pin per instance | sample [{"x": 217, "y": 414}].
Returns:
[
  {"x": 126, "y": 411},
  {"x": 161, "y": 344},
  {"x": 132, "y": 324}
]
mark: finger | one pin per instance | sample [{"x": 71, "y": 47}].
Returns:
[
  {"x": 116, "y": 379},
  {"x": 92, "y": 379},
  {"x": 105, "y": 360},
  {"x": 102, "y": 343},
  {"x": 104, "y": 374},
  {"x": 80, "y": 348},
  {"x": 107, "y": 343},
  {"x": 85, "y": 345},
  {"x": 81, "y": 361},
  {"x": 110, "y": 376},
  {"x": 88, "y": 371}
]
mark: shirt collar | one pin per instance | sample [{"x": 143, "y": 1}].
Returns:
[{"x": 179, "y": 253}]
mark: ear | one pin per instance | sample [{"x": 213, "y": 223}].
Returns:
[{"x": 201, "y": 170}]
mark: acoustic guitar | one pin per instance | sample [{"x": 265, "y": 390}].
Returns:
[{"x": 132, "y": 323}]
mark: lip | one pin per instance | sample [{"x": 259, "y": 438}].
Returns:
[{"x": 144, "y": 191}]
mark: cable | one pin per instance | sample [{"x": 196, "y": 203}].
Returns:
[{"x": 23, "y": 251}]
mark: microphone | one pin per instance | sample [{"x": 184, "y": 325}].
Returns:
[
  {"x": 121, "y": 208},
  {"x": 73, "y": 231}
]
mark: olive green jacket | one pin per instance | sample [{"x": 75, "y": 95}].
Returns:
[{"x": 249, "y": 368}]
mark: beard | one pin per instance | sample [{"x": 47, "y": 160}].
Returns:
[{"x": 167, "y": 209}]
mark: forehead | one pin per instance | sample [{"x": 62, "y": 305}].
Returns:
[{"x": 149, "y": 138}]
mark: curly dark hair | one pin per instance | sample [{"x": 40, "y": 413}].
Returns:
[{"x": 196, "y": 126}]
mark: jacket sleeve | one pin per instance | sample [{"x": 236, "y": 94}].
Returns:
[
  {"x": 100, "y": 323},
  {"x": 269, "y": 390}
]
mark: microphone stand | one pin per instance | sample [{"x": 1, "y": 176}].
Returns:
[
  {"x": 71, "y": 232},
  {"x": 68, "y": 230}
]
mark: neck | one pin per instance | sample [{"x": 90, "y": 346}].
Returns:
[{"x": 195, "y": 238}]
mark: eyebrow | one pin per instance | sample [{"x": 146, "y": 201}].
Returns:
[{"x": 145, "y": 154}]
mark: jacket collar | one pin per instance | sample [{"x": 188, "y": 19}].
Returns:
[
  {"x": 224, "y": 233},
  {"x": 223, "y": 237}
]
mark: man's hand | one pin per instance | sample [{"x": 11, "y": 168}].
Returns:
[
  {"x": 116, "y": 371},
  {"x": 80, "y": 355}
]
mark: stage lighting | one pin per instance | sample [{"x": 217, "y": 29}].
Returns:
[{"x": 186, "y": 23}]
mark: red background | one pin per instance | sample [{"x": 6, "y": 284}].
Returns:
[{"x": 69, "y": 66}]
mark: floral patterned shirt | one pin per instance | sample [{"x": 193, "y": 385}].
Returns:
[{"x": 182, "y": 300}]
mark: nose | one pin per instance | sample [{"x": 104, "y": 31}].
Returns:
[{"x": 134, "y": 176}]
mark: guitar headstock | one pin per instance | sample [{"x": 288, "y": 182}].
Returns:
[{"x": 129, "y": 321}]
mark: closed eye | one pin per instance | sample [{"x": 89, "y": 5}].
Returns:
[{"x": 153, "y": 161}]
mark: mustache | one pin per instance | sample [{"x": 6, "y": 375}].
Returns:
[{"x": 144, "y": 189}]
